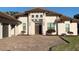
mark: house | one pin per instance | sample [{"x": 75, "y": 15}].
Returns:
[
  {"x": 37, "y": 21},
  {"x": 42, "y": 21},
  {"x": 7, "y": 25}
]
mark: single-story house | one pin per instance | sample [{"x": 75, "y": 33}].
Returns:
[
  {"x": 43, "y": 22},
  {"x": 37, "y": 21}
]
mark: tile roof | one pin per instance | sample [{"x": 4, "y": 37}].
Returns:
[
  {"x": 5, "y": 15},
  {"x": 35, "y": 10},
  {"x": 48, "y": 13}
]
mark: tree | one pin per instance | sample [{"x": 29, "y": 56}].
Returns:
[
  {"x": 76, "y": 16},
  {"x": 11, "y": 12}
]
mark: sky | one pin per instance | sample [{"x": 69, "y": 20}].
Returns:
[{"x": 67, "y": 11}]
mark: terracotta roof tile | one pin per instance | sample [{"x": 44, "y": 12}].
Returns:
[
  {"x": 48, "y": 13},
  {"x": 8, "y": 17}
]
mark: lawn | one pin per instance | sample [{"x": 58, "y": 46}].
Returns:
[{"x": 72, "y": 46}]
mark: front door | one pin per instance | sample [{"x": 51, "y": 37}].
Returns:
[{"x": 38, "y": 28}]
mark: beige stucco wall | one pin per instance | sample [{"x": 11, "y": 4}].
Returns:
[
  {"x": 32, "y": 24},
  {"x": 12, "y": 31},
  {"x": 46, "y": 20},
  {"x": 16, "y": 30},
  {"x": 9, "y": 30},
  {"x": 61, "y": 28},
  {"x": 73, "y": 28},
  {"x": 1, "y": 31},
  {"x": 31, "y": 27},
  {"x": 20, "y": 26}
]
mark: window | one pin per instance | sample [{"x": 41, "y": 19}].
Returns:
[
  {"x": 32, "y": 16},
  {"x": 51, "y": 26},
  {"x": 24, "y": 26},
  {"x": 67, "y": 27},
  {"x": 37, "y": 16},
  {"x": 41, "y": 15}
]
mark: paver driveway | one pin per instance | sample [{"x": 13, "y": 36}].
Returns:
[{"x": 29, "y": 43}]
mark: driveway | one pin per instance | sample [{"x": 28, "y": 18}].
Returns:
[{"x": 29, "y": 43}]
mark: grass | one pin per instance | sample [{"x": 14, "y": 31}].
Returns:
[{"x": 72, "y": 46}]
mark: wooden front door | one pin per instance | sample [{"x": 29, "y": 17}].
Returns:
[
  {"x": 38, "y": 28},
  {"x": 5, "y": 30}
]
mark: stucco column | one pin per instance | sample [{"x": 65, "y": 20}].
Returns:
[
  {"x": 9, "y": 30},
  {"x": 16, "y": 30},
  {"x": 43, "y": 28},
  {"x": 44, "y": 25},
  {"x": 1, "y": 31}
]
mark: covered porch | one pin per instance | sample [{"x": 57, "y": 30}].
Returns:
[{"x": 8, "y": 25}]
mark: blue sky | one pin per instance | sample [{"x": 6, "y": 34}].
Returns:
[{"x": 68, "y": 11}]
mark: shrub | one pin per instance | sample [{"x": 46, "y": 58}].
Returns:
[
  {"x": 63, "y": 34},
  {"x": 23, "y": 32},
  {"x": 69, "y": 32},
  {"x": 50, "y": 31}
]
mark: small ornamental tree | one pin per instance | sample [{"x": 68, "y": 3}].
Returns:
[{"x": 76, "y": 16}]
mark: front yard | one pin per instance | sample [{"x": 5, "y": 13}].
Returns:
[
  {"x": 39, "y": 43},
  {"x": 72, "y": 46}
]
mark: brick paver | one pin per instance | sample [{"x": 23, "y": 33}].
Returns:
[{"x": 29, "y": 43}]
